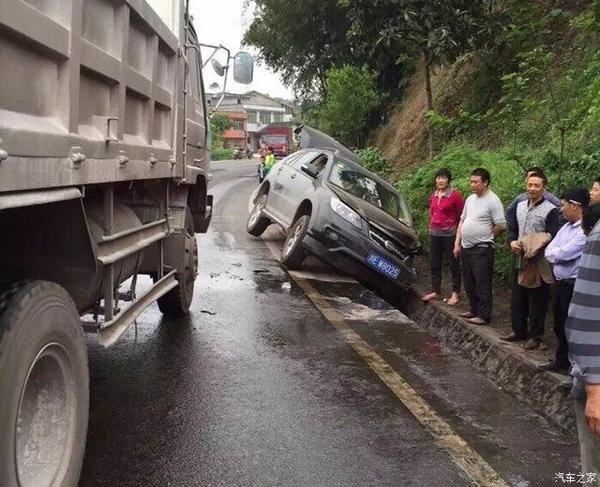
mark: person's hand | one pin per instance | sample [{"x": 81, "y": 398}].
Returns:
[
  {"x": 592, "y": 408},
  {"x": 456, "y": 251},
  {"x": 515, "y": 246}
]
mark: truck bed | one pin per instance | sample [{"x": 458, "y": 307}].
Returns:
[{"x": 89, "y": 93}]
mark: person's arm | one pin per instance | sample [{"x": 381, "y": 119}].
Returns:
[
  {"x": 459, "y": 204},
  {"x": 592, "y": 408},
  {"x": 498, "y": 218},
  {"x": 511, "y": 220},
  {"x": 553, "y": 222},
  {"x": 457, "y": 240},
  {"x": 569, "y": 250}
]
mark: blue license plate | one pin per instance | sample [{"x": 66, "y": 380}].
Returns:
[{"x": 383, "y": 265}]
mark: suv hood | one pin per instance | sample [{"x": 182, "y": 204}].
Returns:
[{"x": 402, "y": 233}]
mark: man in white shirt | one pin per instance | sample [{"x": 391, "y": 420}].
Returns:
[{"x": 482, "y": 219}]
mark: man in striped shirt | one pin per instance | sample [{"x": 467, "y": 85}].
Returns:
[{"x": 583, "y": 336}]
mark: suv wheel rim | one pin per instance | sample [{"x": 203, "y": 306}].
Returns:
[
  {"x": 257, "y": 210},
  {"x": 294, "y": 238}
]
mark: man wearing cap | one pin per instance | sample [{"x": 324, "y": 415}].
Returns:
[
  {"x": 564, "y": 253},
  {"x": 529, "y": 304}
]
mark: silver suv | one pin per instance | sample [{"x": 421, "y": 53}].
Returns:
[{"x": 335, "y": 209}]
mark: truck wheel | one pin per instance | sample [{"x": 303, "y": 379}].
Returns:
[
  {"x": 257, "y": 222},
  {"x": 176, "y": 303},
  {"x": 293, "y": 253},
  {"x": 44, "y": 386}
]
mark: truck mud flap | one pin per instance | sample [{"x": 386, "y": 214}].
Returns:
[{"x": 202, "y": 222}]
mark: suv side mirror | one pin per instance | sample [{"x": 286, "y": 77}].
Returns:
[
  {"x": 310, "y": 170},
  {"x": 243, "y": 68}
]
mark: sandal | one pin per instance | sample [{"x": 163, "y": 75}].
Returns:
[{"x": 429, "y": 297}]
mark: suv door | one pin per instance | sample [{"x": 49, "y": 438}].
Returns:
[
  {"x": 299, "y": 185},
  {"x": 274, "y": 199}
]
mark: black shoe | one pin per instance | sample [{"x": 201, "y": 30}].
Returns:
[
  {"x": 532, "y": 344},
  {"x": 554, "y": 366},
  {"x": 512, "y": 338},
  {"x": 566, "y": 384}
]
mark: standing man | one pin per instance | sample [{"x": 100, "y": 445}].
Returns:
[
  {"x": 529, "y": 304},
  {"x": 595, "y": 192},
  {"x": 564, "y": 253},
  {"x": 482, "y": 219},
  {"x": 511, "y": 210},
  {"x": 583, "y": 337}
]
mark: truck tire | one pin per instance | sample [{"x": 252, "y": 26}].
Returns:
[
  {"x": 293, "y": 253},
  {"x": 257, "y": 222},
  {"x": 44, "y": 386},
  {"x": 176, "y": 303}
]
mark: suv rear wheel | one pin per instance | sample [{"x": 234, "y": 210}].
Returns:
[{"x": 257, "y": 222}]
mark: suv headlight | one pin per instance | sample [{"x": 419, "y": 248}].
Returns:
[{"x": 345, "y": 212}]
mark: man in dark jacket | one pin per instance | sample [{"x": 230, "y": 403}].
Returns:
[{"x": 530, "y": 304}]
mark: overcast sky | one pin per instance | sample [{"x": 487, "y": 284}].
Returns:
[{"x": 224, "y": 22}]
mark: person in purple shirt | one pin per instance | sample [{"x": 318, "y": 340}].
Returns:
[{"x": 564, "y": 253}]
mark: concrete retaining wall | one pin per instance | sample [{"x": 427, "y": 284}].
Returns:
[{"x": 505, "y": 364}]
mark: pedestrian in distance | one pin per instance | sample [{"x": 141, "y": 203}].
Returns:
[
  {"x": 564, "y": 252},
  {"x": 445, "y": 208},
  {"x": 595, "y": 192},
  {"x": 583, "y": 338},
  {"x": 269, "y": 160},
  {"x": 537, "y": 222},
  {"x": 482, "y": 219}
]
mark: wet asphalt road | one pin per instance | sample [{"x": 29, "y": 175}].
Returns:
[{"x": 256, "y": 388}]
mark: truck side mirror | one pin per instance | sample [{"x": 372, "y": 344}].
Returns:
[
  {"x": 243, "y": 68},
  {"x": 217, "y": 67}
]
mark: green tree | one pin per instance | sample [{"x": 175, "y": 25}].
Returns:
[
  {"x": 438, "y": 30},
  {"x": 300, "y": 40},
  {"x": 350, "y": 97},
  {"x": 219, "y": 123},
  {"x": 303, "y": 40}
]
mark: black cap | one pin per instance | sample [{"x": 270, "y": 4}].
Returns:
[
  {"x": 577, "y": 195},
  {"x": 445, "y": 173}
]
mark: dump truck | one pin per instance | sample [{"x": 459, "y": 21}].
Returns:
[{"x": 104, "y": 176}]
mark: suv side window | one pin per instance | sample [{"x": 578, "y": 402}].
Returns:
[
  {"x": 319, "y": 163},
  {"x": 303, "y": 159}
]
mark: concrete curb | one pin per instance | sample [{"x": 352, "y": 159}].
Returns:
[{"x": 505, "y": 364}]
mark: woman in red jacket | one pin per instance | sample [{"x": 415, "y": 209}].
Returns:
[{"x": 445, "y": 207}]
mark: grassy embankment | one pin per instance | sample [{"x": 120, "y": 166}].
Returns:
[{"x": 505, "y": 111}]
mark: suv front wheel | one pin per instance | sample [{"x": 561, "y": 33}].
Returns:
[{"x": 293, "y": 253}]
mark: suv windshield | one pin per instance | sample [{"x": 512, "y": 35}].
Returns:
[{"x": 359, "y": 184}]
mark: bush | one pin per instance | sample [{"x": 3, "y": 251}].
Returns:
[
  {"x": 373, "y": 160},
  {"x": 220, "y": 154},
  {"x": 507, "y": 182}
]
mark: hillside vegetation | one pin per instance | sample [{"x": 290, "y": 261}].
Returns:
[{"x": 540, "y": 106}]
